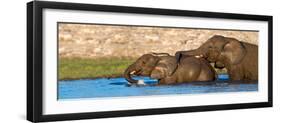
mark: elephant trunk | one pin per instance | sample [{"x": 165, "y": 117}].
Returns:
[
  {"x": 128, "y": 72},
  {"x": 197, "y": 53}
]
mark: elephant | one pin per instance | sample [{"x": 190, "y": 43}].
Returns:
[
  {"x": 239, "y": 58},
  {"x": 164, "y": 68}
]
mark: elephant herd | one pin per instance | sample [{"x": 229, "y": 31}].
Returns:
[{"x": 239, "y": 58}]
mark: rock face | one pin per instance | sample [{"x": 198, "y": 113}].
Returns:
[{"x": 95, "y": 41}]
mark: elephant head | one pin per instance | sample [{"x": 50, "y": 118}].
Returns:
[
  {"x": 220, "y": 50},
  {"x": 154, "y": 65}
]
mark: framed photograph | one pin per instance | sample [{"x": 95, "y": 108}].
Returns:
[{"x": 89, "y": 61}]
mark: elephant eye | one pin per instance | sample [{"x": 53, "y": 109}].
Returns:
[{"x": 143, "y": 62}]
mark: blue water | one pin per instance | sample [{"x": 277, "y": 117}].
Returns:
[{"x": 118, "y": 87}]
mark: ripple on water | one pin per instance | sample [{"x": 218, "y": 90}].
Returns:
[{"x": 117, "y": 87}]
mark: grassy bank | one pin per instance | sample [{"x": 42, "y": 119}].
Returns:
[{"x": 83, "y": 68}]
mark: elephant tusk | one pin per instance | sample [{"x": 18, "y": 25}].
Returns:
[
  {"x": 199, "y": 56},
  {"x": 133, "y": 72}
]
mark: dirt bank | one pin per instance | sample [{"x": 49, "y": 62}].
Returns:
[{"x": 94, "y": 41}]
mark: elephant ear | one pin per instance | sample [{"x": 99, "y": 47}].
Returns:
[
  {"x": 234, "y": 51},
  {"x": 164, "y": 68}
]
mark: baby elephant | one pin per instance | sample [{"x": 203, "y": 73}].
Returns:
[{"x": 167, "y": 70}]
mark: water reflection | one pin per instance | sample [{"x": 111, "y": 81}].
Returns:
[{"x": 116, "y": 87}]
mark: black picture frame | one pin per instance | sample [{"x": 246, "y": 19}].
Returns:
[{"x": 35, "y": 69}]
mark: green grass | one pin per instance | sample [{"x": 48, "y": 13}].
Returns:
[{"x": 83, "y": 68}]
